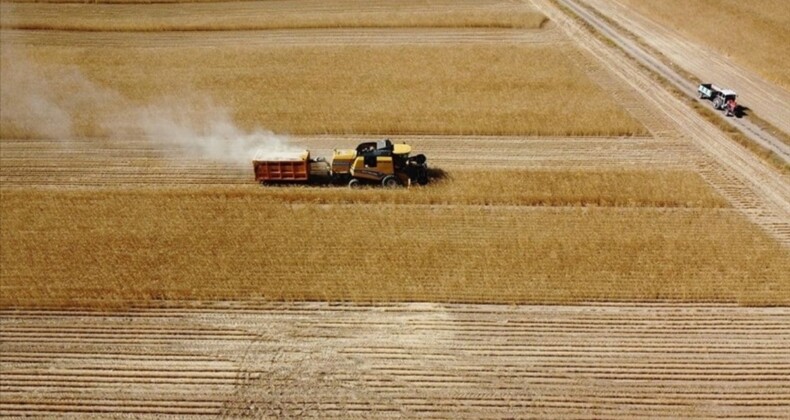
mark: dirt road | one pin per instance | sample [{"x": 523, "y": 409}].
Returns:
[
  {"x": 409, "y": 360},
  {"x": 760, "y": 192},
  {"x": 768, "y": 100}
]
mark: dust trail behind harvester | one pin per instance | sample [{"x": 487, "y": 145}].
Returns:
[
  {"x": 62, "y": 103},
  {"x": 207, "y": 132}
]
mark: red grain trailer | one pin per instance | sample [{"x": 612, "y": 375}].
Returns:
[{"x": 283, "y": 168}]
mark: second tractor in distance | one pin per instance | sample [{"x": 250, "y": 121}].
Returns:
[{"x": 721, "y": 98}]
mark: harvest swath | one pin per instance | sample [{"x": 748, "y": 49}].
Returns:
[{"x": 582, "y": 252}]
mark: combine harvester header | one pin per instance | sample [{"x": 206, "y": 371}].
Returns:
[{"x": 379, "y": 162}]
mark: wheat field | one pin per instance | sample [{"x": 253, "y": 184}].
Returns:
[
  {"x": 508, "y": 187},
  {"x": 756, "y": 34},
  {"x": 265, "y": 15},
  {"x": 480, "y": 234},
  {"x": 586, "y": 246},
  {"x": 439, "y": 89},
  {"x": 105, "y": 248}
]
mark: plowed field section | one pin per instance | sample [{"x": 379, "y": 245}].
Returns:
[{"x": 399, "y": 360}]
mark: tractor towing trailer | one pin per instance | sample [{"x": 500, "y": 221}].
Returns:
[
  {"x": 380, "y": 162},
  {"x": 721, "y": 98}
]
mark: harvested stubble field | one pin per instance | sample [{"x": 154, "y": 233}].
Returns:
[{"x": 252, "y": 359}]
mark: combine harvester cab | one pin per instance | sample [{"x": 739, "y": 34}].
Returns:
[
  {"x": 723, "y": 99},
  {"x": 386, "y": 163}
]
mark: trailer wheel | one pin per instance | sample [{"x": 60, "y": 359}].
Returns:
[
  {"x": 389, "y": 181},
  {"x": 354, "y": 183}
]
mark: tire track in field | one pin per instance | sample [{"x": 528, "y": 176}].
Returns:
[
  {"x": 758, "y": 191},
  {"x": 434, "y": 360}
]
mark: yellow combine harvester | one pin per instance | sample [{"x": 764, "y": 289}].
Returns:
[{"x": 380, "y": 162}]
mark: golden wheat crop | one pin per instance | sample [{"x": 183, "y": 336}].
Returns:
[
  {"x": 439, "y": 89},
  {"x": 501, "y": 236},
  {"x": 86, "y": 248},
  {"x": 601, "y": 188},
  {"x": 755, "y": 33},
  {"x": 259, "y": 15}
]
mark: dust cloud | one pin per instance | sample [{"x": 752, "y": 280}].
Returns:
[
  {"x": 28, "y": 101},
  {"x": 61, "y": 103},
  {"x": 208, "y": 131}
]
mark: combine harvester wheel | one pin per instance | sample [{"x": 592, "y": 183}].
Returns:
[{"x": 390, "y": 181}]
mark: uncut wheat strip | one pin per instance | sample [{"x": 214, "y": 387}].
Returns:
[
  {"x": 243, "y": 8},
  {"x": 323, "y": 122},
  {"x": 282, "y": 37},
  {"x": 165, "y": 16},
  {"x": 319, "y": 5}
]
